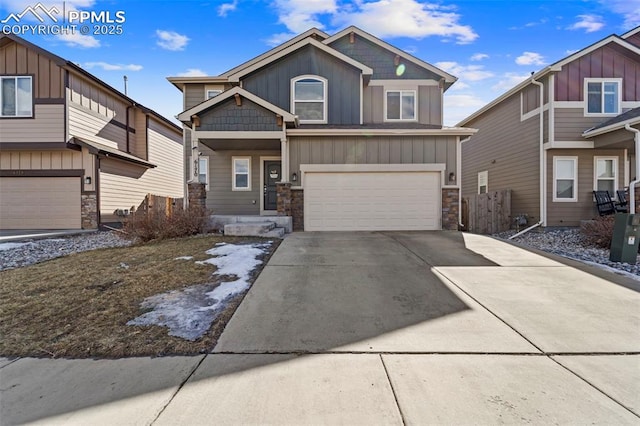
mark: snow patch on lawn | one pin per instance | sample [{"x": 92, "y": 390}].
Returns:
[
  {"x": 10, "y": 246},
  {"x": 184, "y": 258},
  {"x": 189, "y": 313}
]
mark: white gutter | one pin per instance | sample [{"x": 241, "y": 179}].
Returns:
[
  {"x": 632, "y": 185},
  {"x": 543, "y": 167}
]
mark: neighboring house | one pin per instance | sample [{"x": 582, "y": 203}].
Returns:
[
  {"x": 70, "y": 143},
  {"x": 340, "y": 132},
  {"x": 553, "y": 158}
]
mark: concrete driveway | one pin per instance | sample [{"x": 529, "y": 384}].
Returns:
[{"x": 378, "y": 328}]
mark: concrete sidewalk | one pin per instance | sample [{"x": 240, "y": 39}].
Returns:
[{"x": 376, "y": 328}]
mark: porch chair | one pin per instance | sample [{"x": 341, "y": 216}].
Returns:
[
  {"x": 605, "y": 204},
  {"x": 622, "y": 199}
]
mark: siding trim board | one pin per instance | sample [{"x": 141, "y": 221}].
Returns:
[
  {"x": 30, "y": 146},
  {"x": 42, "y": 173}
]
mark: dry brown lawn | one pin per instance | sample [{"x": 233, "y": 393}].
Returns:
[{"x": 77, "y": 306}]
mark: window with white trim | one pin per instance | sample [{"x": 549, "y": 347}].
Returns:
[
  {"x": 565, "y": 179},
  {"x": 605, "y": 177},
  {"x": 241, "y": 174},
  {"x": 309, "y": 98},
  {"x": 212, "y": 93},
  {"x": 602, "y": 96},
  {"x": 400, "y": 105},
  {"x": 483, "y": 182},
  {"x": 16, "y": 96},
  {"x": 203, "y": 170}
]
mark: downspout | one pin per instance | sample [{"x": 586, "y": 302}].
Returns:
[
  {"x": 632, "y": 185},
  {"x": 543, "y": 166}
]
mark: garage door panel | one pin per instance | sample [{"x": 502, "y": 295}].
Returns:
[
  {"x": 344, "y": 201},
  {"x": 40, "y": 203}
]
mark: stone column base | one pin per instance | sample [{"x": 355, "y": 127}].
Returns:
[
  {"x": 197, "y": 193},
  {"x": 450, "y": 208},
  {"x": 89, "y": 211}
]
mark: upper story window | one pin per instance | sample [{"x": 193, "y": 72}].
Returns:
[
  {"x": 309, "y": 98},
  {"x": 16, "y": 97},
  {"x": 400, "y": 105},
  {"x": 603, "y": 96},
  {"x": 212, "y": 93}
]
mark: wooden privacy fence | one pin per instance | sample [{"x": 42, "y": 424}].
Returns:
[
  {"x": 156, "y": 204},
  {"x": 487, "y": 213}
]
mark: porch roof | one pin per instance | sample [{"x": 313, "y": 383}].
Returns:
[{"x": 631, "y": 117}]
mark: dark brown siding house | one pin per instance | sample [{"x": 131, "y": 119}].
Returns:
[
  {"x": 337, "y": 132},
  {"x": 74, "y": 150},
  {"x": 555, "y": 138}
]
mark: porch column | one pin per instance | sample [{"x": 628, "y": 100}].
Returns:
[
  {"x": 195, "y": 152},
  {"x": 284, "y": 155}
]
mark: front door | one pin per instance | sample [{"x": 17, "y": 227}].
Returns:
[{"x": 272, "y": 176}]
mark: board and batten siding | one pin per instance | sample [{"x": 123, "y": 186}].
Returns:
[
  {"x": 373, "y": 150},
  {"x": 610, "y": 61},
  {"x": 123, "y": 185},
  {"x": 571, "y": 213},
  {"x": 47, "y": 125},
  {"x": 48, "y": 77},
  {"x": 509, "y": 150},
  {"x": 634, "y": 39},
  {"x": 220, "y": 198},
  {"x": 429, "y": 104},
  {"x": 273, "y": 82}
]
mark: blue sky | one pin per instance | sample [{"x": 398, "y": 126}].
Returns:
[{"x": 489, "y": 45}]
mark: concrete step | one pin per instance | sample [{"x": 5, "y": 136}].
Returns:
[
  {"x": 274, "y": 233},
  {"x": 248, "y": 229}
]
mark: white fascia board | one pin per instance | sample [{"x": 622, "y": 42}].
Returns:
[
  {"x": 368, "y": 168},
  {"x": 448, "y": 77},
  {"x": 302, "y": 43},
  {"x": 452, "y": 131},
  {"x": 211, "y": 134}
]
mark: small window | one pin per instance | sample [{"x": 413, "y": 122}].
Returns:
[
  {"x": 603, "y": 96},
  {"x": 212, "y": 93},
  {"x": 606, "y": 175},
  {"x": 241, "y": 178},
  {"x": 565, "y": 184},
  {"x": 483, "y": 182},
  {"x": 309, "y": 100},
  {"x": 203, "y": 170},
  {"x": 16, "y": 97},
  {"x": 401, "y": 105}
]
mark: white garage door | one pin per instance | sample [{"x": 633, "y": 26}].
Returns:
[
  {"x": 366, "y": 201},
  {"x": 40, "y": 203}
]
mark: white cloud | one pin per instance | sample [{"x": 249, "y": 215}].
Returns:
[
  {"x": 629, "y": 9},
  {"x": 300, "y": 15},
  {"x": 79, "y": 40},
  {"x": 588, "y": 23},
  {"x": 193, "y": 72},
  {"x": 113, "y": 67},
  {"x": 459, "y": 85},
  {"x": 171, "y": 40},
  {"x": 460, "y": 106},
  {"x": 479, "y": 56},
  {"x": 465, "y": 72},
  {"x": 530, "y": 58},
  {"x": 225, "y": 8},
  {"x": 406, "y": 18},
  {"x": 510, "y": 80},
  {"x": 277, "y": 39}
]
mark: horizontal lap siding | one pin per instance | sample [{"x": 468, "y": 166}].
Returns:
[
  {"x": 571, "y": 213},
  {"x": 193, "y": 95},
  {"x": 570, "y": 123},
  {"x": 220, "y": 198},
  {"x": 373, "y": 150},
  {"x": 122, "y": 185},
  {"x": 509, "y": 150},
  {"x": 46, "y": 126}
]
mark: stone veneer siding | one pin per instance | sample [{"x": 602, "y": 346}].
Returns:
[
  {"x": 197, "y": 194},
  {"x": 297, "y": 209},
  {"x": 89, "y": 210},
  {"x": 283, "y": 198},
  {"x": 450, "y": 208}
]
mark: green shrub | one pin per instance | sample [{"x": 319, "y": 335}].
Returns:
[
  {"x": 147, "y": 226},
  {"x": 599, "y": 232}
]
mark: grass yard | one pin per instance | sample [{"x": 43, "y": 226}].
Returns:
[{"x": 78, "y": 306}]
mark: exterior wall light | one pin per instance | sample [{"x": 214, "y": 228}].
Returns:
[
  {"x": 294, "y": 177},
  {"x": 87, "y": 180},
  {"x": 452, "y": 177}
]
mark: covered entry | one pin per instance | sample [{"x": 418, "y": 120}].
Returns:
[
  {"x": 372, "y": 197},
  {"x": 40, "y": 203}
]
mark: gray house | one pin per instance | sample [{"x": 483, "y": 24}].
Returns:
[
  {"x": 560, "y": 135},
  {"x": 340, "y": 132}
]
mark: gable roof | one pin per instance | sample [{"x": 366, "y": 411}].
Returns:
[
  {"x": 448, "y": 78},
  {"x": 63, "y": 63},
  {"x": 632, "y": 32},
  {"x": 557, "y": 66},
  {"x": 618, "y": 122},
  {"x": 292, "y": 48},
  {"x": 185, "y": 116}
]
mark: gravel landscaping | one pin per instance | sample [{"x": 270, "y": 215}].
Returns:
[
  {"x": 569, "y": 243},
  {"x": 15, "y": 255}
]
